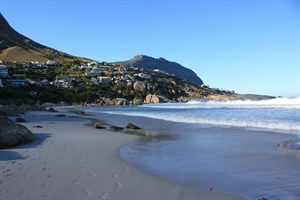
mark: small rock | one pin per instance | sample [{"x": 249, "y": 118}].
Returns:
[
  {"x": 52, "y": 109},
  {"x": 60, "y": 115},
  {"x": 38, "y": 126},
  {"x": 19, "y": 119},
  {"x": 132, "y": 126},
  {"x": 116, "y": 128},
  {"x": 262, "y": 198},
  {"x": 98, "y": 126}
]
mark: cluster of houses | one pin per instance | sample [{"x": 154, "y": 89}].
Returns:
[{"x": 96, "y": 73}]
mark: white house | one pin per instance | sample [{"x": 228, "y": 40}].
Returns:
[
  {"x": 104, "y": 79},
  {"x": 3, "y": 71},
  {"x": 144, "y": 76},
  {"x": 37, "y": 65},
  {"x": 51, "y": 62},
  {"x": 62, "y": 82},
  {"x": 94, "y": 64}
]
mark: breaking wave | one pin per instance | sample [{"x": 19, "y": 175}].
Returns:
[{"x": 275, "y": 114}]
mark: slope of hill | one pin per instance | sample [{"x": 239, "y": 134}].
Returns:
[
  {"x": 16, "y": 47},
  {"x": 146, "y": 62}
]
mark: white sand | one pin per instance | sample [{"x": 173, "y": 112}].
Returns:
[{"x": 72, "y": 161}]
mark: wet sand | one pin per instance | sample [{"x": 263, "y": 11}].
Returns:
[
  {"x": 250, "y": 163},
  {"x": 70, "y": 160}
]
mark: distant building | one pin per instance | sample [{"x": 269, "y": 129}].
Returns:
[
  {"x": 15, "y": 82},
  {"x": 62, "y": 82},
  {"x": 52, "y": 63},
  {"x": 103, "y": 79},
  {"x": 144, "y": 76},
  {"x": 3, "y": 71},
  {"x": 94, "y": 81},
  {"x": 37, "y": 65}
]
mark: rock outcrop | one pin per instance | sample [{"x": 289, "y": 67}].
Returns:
[
  {"x": 155, "y": 99},
  {"x": 132, "y": 126},
  {"x": 12, "y": 134},
  {"x": 139, "y": 85},
  {"x": 149, "y": 63}
]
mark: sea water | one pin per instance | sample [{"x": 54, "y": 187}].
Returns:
[
  {"x": 223, "y": 146},
  {"x": 274, "y": 114}
]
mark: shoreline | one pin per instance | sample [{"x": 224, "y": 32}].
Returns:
[
  {"x": 70, "y": 160},
  {"x": 242, "y": 154}
]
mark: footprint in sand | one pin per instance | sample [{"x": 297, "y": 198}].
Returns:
[
  {"x": 49, "y": 176},
  {"x": 87, "y": 192},
  {"x": 2, "y": 182},
  {"x": 104, "y": 196},
  {"x": 118, "y": 184},
  {"x": 76, "y": 182},
  {"x": 92, "y": 174},
  {"x": 44, "y": 169},
  {"x": 115, "y": 175},
  {"x": 6, "y": 171},
  {"x": 82, "y": 168}
]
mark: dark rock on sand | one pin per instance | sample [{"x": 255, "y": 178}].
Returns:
[
  {"x": 98, "y": 126},
  {"x": 21, "y": 120},
  {"x": 38, "y": 126},
  {"x": 12, "y": 134},
  {"x": 262, "y": 198},
  {"x": 60, "y": 115},
  {"x": 132, "y": 126},
  {"x": 116, "y": 128},
  {"x": 52, "y": 109}
]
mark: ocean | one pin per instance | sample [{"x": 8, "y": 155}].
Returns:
[{"x": 232, "y": 147}]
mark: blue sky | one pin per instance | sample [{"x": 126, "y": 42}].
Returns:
[{"x": 250, "y": 46}]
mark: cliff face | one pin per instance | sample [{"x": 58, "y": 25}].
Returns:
[
  {"x": 16, "y": 47},
  {"x": 146, "y": 62}
]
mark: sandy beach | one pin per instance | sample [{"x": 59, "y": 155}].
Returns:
[{"x": 70, "y": 160}]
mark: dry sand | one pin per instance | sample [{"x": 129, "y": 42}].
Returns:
[{"x": 70, "y": 160}]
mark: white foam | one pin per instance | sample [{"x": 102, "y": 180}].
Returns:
[
  {"x": 285, "y": 103},
  {"x": 274, "y": 114}
]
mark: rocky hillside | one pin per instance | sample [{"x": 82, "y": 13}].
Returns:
[
  {"x": 16, "y": 47},
  {"x": 149, "y": 63}
]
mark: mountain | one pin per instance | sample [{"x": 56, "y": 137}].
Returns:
[
  {"x": 16, "y": 47},
  {"x": 146, "y": 62}
]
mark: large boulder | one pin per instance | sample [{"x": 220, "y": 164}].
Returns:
[
  {"x": 155, "y": 99},
  {"x": 139, "y": 85},
  {"x": 12, "y": 134},
  {"x": 120, "y": 101},
  {"x": 9, "y": 110}
]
